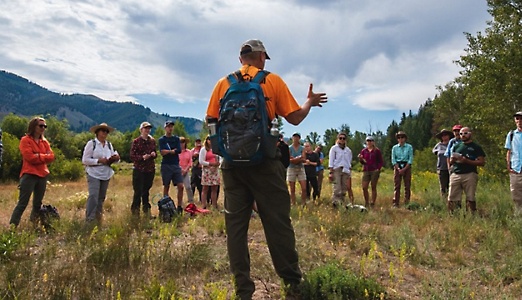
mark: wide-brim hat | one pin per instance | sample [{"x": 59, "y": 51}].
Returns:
[
  {"x": 95, "y": 128},
  {"x": 443, "y": 132},
  {"x": 401, "y": 133}
]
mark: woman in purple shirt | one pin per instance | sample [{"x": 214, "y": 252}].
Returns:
[{"x": 371, "y": 159}]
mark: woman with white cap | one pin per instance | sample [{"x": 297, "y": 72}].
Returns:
[
  {"x": 98, "y": 156},
  {"x": 371, "y": 159}
]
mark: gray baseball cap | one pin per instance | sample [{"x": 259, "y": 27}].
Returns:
[{"x": 253, "y": 46}]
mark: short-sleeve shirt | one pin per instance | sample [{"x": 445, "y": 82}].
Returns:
[
  {"x": 170, "y": 143},
  {"x": 471, "y": 151},
  {"x": 280, "y": 100},
  {"x": 451, "y": 144},
  {"x": 515, "y": 145}
]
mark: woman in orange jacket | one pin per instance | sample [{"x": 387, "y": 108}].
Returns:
[{"x": 36, "y": 154}]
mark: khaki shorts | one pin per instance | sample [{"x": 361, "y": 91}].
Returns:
[
  {"x": 295, "y": 174},
  {"x": 371, "y": 176}
]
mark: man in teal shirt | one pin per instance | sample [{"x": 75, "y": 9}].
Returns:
[
  {"x": 514, "y": 161},
  {"x": 402, "y": 158}
]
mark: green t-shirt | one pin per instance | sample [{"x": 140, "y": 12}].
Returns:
[{"x": 471, "y": 151}]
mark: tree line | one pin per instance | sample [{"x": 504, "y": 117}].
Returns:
[
  {"x": 66, "y": 144},
  {"x": 484, "y": 97}
]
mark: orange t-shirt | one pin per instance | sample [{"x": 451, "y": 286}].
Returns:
[
  {"x": 35, "y": 156},
  {"x": 280, "y": 100}
]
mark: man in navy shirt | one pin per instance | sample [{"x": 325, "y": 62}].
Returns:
[{"x": 170, "y": 148}]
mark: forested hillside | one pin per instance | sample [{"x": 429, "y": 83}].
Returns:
[{"x": 24, "y": 98}]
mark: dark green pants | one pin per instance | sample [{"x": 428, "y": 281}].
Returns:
[
  {"x": 264, "y": 183},
  {"x": 29, "y": 184}
]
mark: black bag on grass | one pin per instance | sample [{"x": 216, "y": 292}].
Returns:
[
  {"x": 167, "y": 209},
  {"x": 48, "y": 213}
]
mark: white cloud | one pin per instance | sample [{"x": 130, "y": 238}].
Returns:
[{"x": 374, "y": 54}]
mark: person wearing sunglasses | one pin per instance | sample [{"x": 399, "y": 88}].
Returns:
[
  {"x": 98, "y": 156},
  {"x": 36, "y": 154},
  {"x": 465, "y": 157},
  {"x": 402, "y": 159},
  {"x": 371, "y": 159},
  {"x": 514, "y": 162},
  {"x": 340, "y": 167}
]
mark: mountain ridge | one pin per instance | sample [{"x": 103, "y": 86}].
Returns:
[{"x": 22, "y": 97}]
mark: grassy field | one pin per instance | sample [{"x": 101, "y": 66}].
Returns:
[{"x": 409, "y": 254}]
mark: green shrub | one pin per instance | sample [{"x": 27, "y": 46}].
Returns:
[
  {"x": 12, "y": 160},
  {"x": 10, "y": 241},
  {"x": 62, "y": 169},
  {"x": 332, "y": 282}
]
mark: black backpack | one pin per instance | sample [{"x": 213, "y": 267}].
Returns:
[
  {"x": 167, "y": 209},
  {"x": 47, "y": 214},
  {"x": 243, "y": 130}
]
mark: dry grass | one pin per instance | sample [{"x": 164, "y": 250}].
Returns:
[{"x": 424, "y": 254}]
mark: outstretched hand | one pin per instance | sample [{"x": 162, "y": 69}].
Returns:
[{"x": 317, "y": 99}]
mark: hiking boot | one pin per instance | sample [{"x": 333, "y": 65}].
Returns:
[{"x": 180, "y": 210}]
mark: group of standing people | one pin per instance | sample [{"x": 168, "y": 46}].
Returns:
[
  {"x": 457, "y": 162},
  {"x": 98, "y": 156},
  {"x": 263, "y": 183}
]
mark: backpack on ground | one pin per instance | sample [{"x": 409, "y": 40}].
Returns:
[
  {"x": 47, "y": 214},
  {"x": 243, "y": 130},
  {"x": 167, "y": 209}
]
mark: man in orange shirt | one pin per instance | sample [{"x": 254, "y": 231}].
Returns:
[
  {"x": 264, "y": 182},
  {"x": 36, "y": 154}
]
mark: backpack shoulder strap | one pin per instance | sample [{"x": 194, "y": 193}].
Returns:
[
  {"x": 93, "y": 147},
  {"x": 235, "y": 77},
  {"x": 260, "y": 76}
]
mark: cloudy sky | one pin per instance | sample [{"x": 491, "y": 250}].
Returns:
[{"x": 374, "y": 58}]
